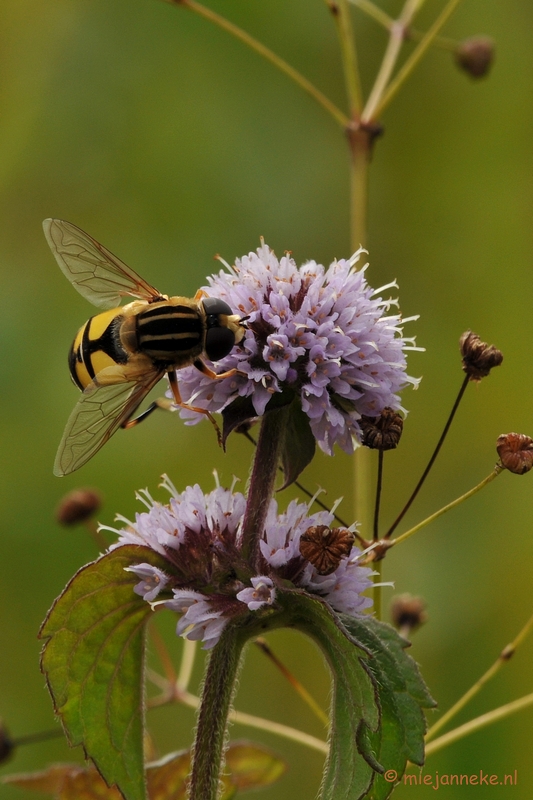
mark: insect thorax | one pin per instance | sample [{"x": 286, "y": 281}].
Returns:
[{"x": 167, "y": 333}]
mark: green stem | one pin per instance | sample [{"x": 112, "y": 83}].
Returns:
[
  {"x": 341, "y": 11},
  {"x": 219, "y": 685},
  {"x": 502, "y": 659},
  {"x": 396, "y": 39},
  {"x": 372, "y": 10},
  {"x": 479, "y": 722},
  {"x": 268, "y": 54},
  {"x": 494, "y": 474},
  {"x": 415, "y": 57},
  {"x": 262, "y": 481}
]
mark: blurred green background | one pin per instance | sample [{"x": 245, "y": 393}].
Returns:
[{"x": 170, "y": 142}]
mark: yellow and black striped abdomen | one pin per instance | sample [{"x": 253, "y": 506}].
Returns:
[
  {"x": 171, "y": 334},
  {"x": 96, "y": 346}
]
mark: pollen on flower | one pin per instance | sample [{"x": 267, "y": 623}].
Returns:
[{"x": 322, "y": 333}]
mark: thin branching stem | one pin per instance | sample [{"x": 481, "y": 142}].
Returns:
[
  {"x": 412, "y": 34},
  {"x": 479, "y": 722},
  {"x": 374, "y": 11},
  {"x": 338, "y": 115},
  {"x": 494, "y": 474},
  {"x": 396, "y": 39},
  {"x": 507, "y": 653},
  {"x": 431, "y": 460},
  {"x": 294, "y": 682},
  {"x": 341, "y": 12},
  {"x": 415, "y": 57}
]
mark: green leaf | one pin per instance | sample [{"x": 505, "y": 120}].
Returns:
[
  {"x": 402, "y": 696},
  {"x": 299, "y": 444},
  {"x": 93, "y": 663},
  {"x": 351, "y": 764},
  {"x": 253, "y": 766}
]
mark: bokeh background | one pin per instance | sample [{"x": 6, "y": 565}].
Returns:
[{"x": 170, "y": 142}]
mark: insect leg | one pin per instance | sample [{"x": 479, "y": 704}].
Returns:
[
  {"x": 204, "y": 369},
  {"x": 162, "y": 403},
  {"x": 172, "y": 379}
]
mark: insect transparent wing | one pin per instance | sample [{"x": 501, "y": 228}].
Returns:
[
  {"x": 100, "y": 411},
  {"x": 97, "y": 274}
]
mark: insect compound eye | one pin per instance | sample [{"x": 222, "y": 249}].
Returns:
[
  {"x": 219, "y": 341},
  {"x": 214, "y": 305}
]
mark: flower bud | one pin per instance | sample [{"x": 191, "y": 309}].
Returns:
[
  {"x": 475, "y": 55},
  {"x": 324, "y": 547},
  {"x": 384, "y": 432},
  {"x": 478, "y": 357},
  {"x": 408, "y": 613},
  {"x": 516, "y": 452},
  {"x": 77, "y": 506},
  {"x": 6, "y": 745}
]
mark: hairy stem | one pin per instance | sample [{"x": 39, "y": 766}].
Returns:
[
  {"x": 262, "y": 481},
  {"x": 217, "y": 693}
]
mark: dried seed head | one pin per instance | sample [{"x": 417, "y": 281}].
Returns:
[
  {"x": 475, "y": 55},
  {"x": 324, "y": 547},
  {"x": 6, "y": 744},
  {"x": 77, "y": 506},
  {"x": 478, "y": 357},
  {"x": 516, "y": 452},
  {"x": 408, "y": 613},
  {"x": 384, "y": 432}
]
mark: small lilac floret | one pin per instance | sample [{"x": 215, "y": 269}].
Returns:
[
  {"x": 323, "y": 333},
  {"x": 153, "y": 580},
  {"x": 262, "y": 592}
]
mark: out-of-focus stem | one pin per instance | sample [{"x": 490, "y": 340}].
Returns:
[
  {"x": 502, "y": 659},
  {"x": 266, "y": 53},
  {"x": 494, "y": 474},
  {"x": 396, "y": 39},
  {"x": 479, "y": 722},
  {"x": 416, "y": 56},
  {"x": 341, "y": 12}
]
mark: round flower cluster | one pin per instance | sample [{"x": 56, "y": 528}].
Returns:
[
  {"x": 199, "y": 537},
  {"x": 322, "y": 333}
]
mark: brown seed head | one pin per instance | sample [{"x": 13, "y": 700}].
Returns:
[
  {"x": 408, "y": 613},
  {"x": 77, "y": 506},
  {"x": 324, "y": 547},
  {"x": 384, "y": 432},
  {"x": 6, "y": 745},
  {"x": 475, "y": 55},
  {"x": 516, "y": 452},
  {"x": 478, "y": 357}
]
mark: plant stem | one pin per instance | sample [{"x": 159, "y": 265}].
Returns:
[
  {"x": 262, "y": 480},
  {"x": 415, "y": 57},
  {"x": 396, "y": 39},
  {"x": 268, "y": 54},
  {"x": 219, "y": 685},
  {"x": 502, "y": 659},
  {"x": 378, "y": 496},
  {"x": 494, "y": 474},
  {"x": 372, "y": 10},
  {"x": 431, "y": 460},
  {"x": 375, "y": 12},
  {"x": 479, "y": 722},
  {"x": 341, "y": 12}
]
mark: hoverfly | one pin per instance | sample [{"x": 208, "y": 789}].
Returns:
[{"x": 119, "y": 355}]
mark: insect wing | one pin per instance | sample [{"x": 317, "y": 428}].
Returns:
[
  {"x": 94, "y": 271},
  {"x": 100, "y": 411}
]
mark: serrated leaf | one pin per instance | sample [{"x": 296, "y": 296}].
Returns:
[
  {"x": 351, "y": 764},
  {"x": 402, "y": 696},
  {"x": 299, "y": 444},
  {"x": 93, "y": 662},
  {"x": 248, "y": 766}
]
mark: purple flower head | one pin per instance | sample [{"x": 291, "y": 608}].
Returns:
[
  {"x": 322, "y": 333},
  {"x": 199, "y": 537}
]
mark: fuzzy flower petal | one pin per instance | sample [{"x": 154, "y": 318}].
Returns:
[
  {"x": 153, "y": 580},
  {"x": 323, "y": 333},
  {"x": 262, "y": 592},
  {"x": 199, "y": 620}
]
